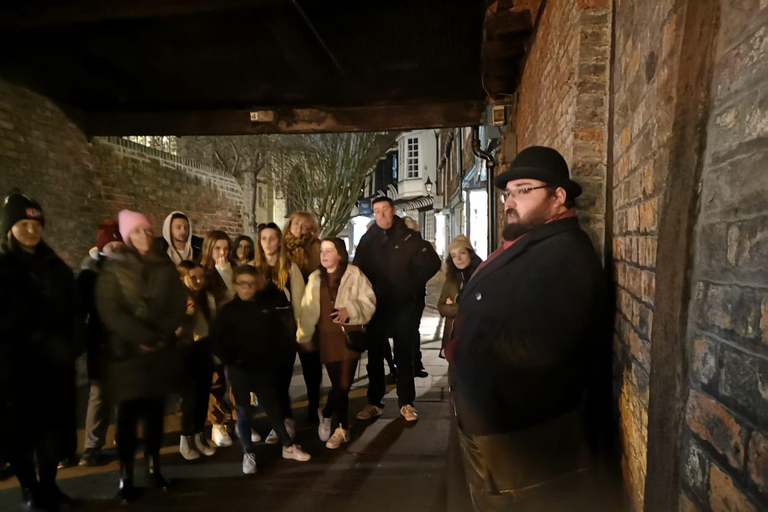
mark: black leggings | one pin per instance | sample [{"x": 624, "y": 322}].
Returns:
[
  {"x": 283, "y": 376},
  {"x": 24, "y": 467},
  {"x": 129, "y": 413},
  {"x": 342, "y": 375},
  {"x": 312, "y": 368},
  {"x": 198, "y": 363}
]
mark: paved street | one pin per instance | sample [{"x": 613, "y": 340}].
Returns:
[{"x": 390, "y": 465}]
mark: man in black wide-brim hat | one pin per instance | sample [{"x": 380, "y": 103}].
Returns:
[{"x": 524, "y": 345}]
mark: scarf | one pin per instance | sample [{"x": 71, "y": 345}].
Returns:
[{"x": 296, "y": 248}]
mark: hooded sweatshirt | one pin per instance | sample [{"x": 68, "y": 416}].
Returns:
[{"x": 176, "y": 255}]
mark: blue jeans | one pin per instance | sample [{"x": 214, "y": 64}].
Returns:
[{"x": 266, "y": 386}]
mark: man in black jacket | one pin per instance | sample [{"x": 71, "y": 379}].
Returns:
[
  {"x": 398, "y": 262},
  {"x": 525, "y": 342}
]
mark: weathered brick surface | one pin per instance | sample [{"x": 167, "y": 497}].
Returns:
[
  {"x": 757, "y": 460},
  {"x": 80, "y": 183},
  {"x": 712, "y": 423},
  {"x": 645, "y": 66},
  {"x": 725, "y": 496},
  {"x": 704, "y": 359},
  {"x": 744, "y": 384},
  {"x": 564, "y": 98},
  {"x": 729, "y": 360},
  {"x": 686, "y": 505},
  {"x": 695, "y": 469}
]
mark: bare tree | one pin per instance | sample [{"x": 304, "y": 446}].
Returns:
[
  {"x": 244, "y": 157},
  {"x": 323, "y": 173}
]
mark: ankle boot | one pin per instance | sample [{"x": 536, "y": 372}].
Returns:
[
  {"x": 154, "y": 477},
  {"x": 28, "y": 498},
  {"x": 126, "y": 491}
]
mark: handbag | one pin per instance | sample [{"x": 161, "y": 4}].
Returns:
[{"x": 356, "y": 339}]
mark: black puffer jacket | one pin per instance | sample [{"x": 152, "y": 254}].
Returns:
[
  {"x": 251, "y": 335},
  {"x": 39, "y": 342},
  {"x": 141, "y": 302},
  {"x": 398, "y": 263}
]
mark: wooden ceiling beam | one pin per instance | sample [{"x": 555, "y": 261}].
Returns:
[
  {"x": 28, "y": 15},
  {"x": 287, "y": 120}
]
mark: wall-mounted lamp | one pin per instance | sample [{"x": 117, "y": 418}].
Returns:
[{"x": 428, "y": 186}]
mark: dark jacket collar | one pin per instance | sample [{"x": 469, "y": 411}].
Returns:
[
  {"x": 537, "y": 235},
  {"x": 398, "y": 225}
]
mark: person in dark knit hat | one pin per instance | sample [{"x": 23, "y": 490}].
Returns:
[
  {"x": 529, "y": 330},
  {"x": 108, "y": 239},
  {"x": 38, "y": 348}
]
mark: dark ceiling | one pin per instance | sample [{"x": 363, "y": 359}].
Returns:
[{"x": 137, "y": 66}]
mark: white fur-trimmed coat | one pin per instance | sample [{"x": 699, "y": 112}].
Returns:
[{"x": 355, "y": 294}]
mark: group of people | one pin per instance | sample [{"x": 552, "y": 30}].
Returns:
[
  {"x": 221, "y": 324},
  {"x": 215, "y": 322}
]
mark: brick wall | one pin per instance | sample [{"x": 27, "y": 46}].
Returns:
[
  {"x": 725, "y": 467},
  {"x": 80, "y": 183},
  {"x": 646, "y": 59},
  {"x": 563, "y": 100}
]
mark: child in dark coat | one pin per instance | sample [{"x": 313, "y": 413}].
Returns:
[{"x": 248, "y": 337}]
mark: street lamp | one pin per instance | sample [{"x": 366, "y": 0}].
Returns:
[{"x": 428, "y": 186}]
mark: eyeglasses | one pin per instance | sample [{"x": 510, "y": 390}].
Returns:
[
  {"x": 520, "y": 192},
  {"x": 246, "y": 284}
]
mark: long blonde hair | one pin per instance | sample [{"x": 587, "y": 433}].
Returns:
[
  {"x": 308, "y": 217},
  {"x": 282, "y": 271}
]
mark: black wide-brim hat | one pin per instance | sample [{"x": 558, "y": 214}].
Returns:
[{"x": 543, "y": 164}]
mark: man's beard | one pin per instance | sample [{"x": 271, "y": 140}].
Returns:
[{"x": 513, "y": 231}]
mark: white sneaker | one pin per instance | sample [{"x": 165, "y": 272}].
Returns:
[
  {"x": 202, "y": 446},
  {"x": 187, "y": 448},
  {"x": 370, "y": 411},
  {"x": 220, "y": 436},
  {"x": 339, "y": 437},
  {"x": 296, "y": 453},
  {"x": 324, "y": 428},
  {"x": 290, "y": 426},
  {"x": 272, "y": 438},
  {"x": 249, "y": 463},
  {"x": 409, "y": 412},
  {"x": 255, "y": 437}
]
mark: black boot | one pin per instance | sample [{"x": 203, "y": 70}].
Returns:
[
  {"x": 126, "y": 491},
  {"x": 28, "y": 498},
  {"x": 50, "y": 498},
  {"x": 154, "y": 477}
]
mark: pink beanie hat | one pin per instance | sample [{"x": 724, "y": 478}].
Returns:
[{"x": 128, "y": 221}]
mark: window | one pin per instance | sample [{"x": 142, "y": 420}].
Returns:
[
  {"x": 412, "y": 158},
  {"x": 394, "y": 167},
  {"x": 428, "y": 221},
  {"x": 161, "y": 143}
]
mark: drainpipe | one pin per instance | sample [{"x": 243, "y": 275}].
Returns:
[{"x": 490, "y": 164}]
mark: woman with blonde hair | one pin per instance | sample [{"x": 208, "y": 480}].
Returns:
[
  {"x": 303, "y": 249},
  {"x": 301, "y": 243},
  {"x": 284, "y": 291}
]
